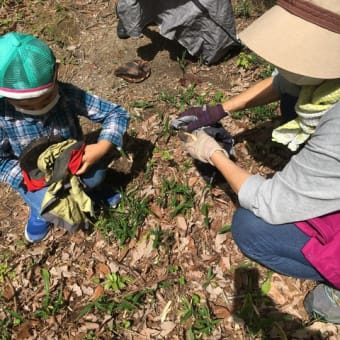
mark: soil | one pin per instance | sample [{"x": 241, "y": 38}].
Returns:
[{"x": 193, "y": 257}]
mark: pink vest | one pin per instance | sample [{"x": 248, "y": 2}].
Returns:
[{"x": 323, "y": 249}]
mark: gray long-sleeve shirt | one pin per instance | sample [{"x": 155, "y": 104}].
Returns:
[{"x": 308, "y": 186}]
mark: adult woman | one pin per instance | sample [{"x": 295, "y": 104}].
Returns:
[{"x": 302, "y": 39}]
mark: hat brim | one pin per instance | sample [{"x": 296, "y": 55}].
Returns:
[
  {"x": 294, "y": 44},
  {"x": 26, "y": 93}
]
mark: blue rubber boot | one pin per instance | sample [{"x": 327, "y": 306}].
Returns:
[
  {"x": 36, "y": 228},
  {"x": 114, "y": 200},
  {"x": 323, "y": 303}
]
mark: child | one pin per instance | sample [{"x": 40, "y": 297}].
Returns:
[{"x": 34, "y": 104}]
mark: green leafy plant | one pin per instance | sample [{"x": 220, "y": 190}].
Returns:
[
  {"x": 115, "y": 281},
  {"x": 173, "y": 268},
  {"x": 181, "y": 61},
  {"x": 122, "y": 223},
  {"x": 217, "y": 98},
  {"x": 11, "y": 319},
  {"x": 242, "y": 9},
  {"x": 177, "y": 196},
  {"x": 197, "y": 314},
  {"x": 5, "y": 329},
  {"x": 166, "y": 155},
  {"x": 224, "y": 229},
  {"x": 142, "y": 104},
  {"x": 3, "y": 270},
  {"x": 245, "y": 60},
  {"x": 105, "y": 304},
  {"x": 161, "y": 237},
  {"x": 149, "y": 168},
  {"x": 50, "y": 306},
  {"x": 205, "y": 211},
  {"x": 209, "y": 277},
  {"x": 265, "y": 287},
  {"x": 184, "y": 97},
  {"x": 258, "y": 114}
]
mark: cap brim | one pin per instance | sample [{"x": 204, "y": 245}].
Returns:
[
  {"x": 294, "y": 44},
  {"x": 26, "y": 93}
]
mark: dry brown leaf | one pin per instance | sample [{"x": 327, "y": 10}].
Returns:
[
  {"x": 221, "y": 311},
  {"x": 24, "y": 331},
  {"x": 156, "y": 209},
  {"x": 144, "y": 249},
  {"x": 219, "y": 240},
  {"x": 102, "y": 268},
  {"x": 8, "y": 292},
  {"x": 181, "y": 224},
  {"x": 98, "y": 292},
  {"x": 88, "y": 326},
  {"x": 167, "y": 327},
  {"x": 225, "y": 263}
]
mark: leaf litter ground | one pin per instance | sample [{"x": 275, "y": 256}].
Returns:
[{"x": 176, "y": 272}]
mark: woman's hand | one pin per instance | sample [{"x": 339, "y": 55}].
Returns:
[
  {"x": 202, "y": 116},
  {"x": 200, "y": 145}
]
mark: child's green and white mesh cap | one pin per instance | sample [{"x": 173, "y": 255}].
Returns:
[{"x": 27, "y": 66}]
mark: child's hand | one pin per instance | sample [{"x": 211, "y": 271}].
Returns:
[{"x": 92, "y": 154}]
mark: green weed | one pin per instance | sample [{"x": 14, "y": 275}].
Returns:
[
  {"x": 3, "y": 271},
  {"x": 258, "y": 114},
  {"x": 105, "y": 304},
  {"x": 246, "y": 60},
  {"x": 166, "y": 129},
  {"x": 217, "y": 98},
  {"x": 205, "y": 211},
  {"x": 166, "y": 155},
  {"x": 209, "y": 278},
  {"x": 50, "y": 306},
  {"x": 142, "y": 104},
  {"x": 259, "y": 324},
  {"x": 197, "y": 314},
  {"x": 11, "y": 319},
  {"x": 184, "y": 98},
  {"x": 251, "y": 60},
  {"x": 173, "y": 268},
  {"x": 4, "y": 268},
  {"x": 115, "y": 281},
  {"x": 5, "y": 329},
  {"x": 179, "y": 197},
  {"x": 224, "y": 229},
  {"x": 149, "y": 168},
  {"x": 122, "y": 222},
  {"x": 267, "y": 70},
  {"x": 161, "y": 237},
  {"x": 181, "y": 61},
  {"x": 242, "y": 9}
]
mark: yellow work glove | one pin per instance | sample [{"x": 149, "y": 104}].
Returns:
[{"x": 200, "y": 145}]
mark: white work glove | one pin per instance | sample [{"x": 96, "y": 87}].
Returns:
[{"x": 200, "y": 145}]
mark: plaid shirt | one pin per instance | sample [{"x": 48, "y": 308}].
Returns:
[{"x": 17, "y": 130}]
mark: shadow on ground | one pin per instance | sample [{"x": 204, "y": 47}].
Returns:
[{"x": 259, "y": 312}]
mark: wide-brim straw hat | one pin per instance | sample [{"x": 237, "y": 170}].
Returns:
[{"x": 300, "y": 36}]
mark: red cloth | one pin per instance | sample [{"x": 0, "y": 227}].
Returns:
[
  {"x": 323, "y": 249},
  {"x": 74, "y": 163},
  {"x": 75, "y": 160},
  {"x": 33, "y": 184}
]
